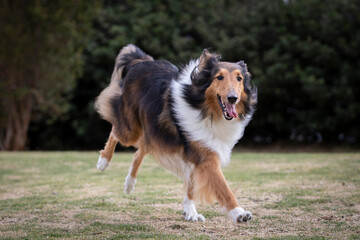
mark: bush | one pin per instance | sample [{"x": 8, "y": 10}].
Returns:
[{"x": 303, "y": 55}]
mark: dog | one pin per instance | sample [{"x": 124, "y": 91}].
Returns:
[{"x": 188, "y": 120}]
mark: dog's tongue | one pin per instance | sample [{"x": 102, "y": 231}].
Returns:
[{"x": 230, "y": 108}]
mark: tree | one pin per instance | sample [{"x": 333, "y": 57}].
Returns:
[{"x": 40, "y": 57}]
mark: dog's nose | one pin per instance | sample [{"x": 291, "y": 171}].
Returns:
[{"x": 232, "y": 99}]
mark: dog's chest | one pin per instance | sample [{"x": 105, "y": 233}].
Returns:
[{"x": 220, "y": 137}]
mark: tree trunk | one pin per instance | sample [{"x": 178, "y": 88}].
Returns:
[{"x": 14, "y": 135}]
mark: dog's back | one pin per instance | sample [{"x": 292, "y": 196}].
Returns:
[
  {"x": 134, "y": 99},
  {"x": 188, "y": 120}
]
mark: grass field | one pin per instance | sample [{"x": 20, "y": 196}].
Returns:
[{"x": 61, "y": 195}]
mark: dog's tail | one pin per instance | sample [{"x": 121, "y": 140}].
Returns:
[{"x": 127, "y": 57}]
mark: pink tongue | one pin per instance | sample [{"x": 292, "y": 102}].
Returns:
[{"x": 230, "y": 108}]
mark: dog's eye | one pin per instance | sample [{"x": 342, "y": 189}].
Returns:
[
  {"x": 239, "y": 78},
  {"x": 220, "y": 77}
]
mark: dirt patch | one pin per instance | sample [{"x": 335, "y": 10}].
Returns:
[{"x": 13, "y": 193}]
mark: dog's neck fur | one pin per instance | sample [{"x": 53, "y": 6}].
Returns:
[{"x": 220, "y": 136}]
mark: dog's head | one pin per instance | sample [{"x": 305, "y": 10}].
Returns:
[{"x": 227, "y": 90}]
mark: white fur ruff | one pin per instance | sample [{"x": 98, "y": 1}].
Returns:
[
  {"x": 220, "y": 137},
  {"x": 102, "y": 163}
]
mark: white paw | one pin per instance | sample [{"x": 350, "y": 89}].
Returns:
[
  {"x": 129, "y": 184},
  {"x": 239, "y": 215},
  {"x": 190, "y": 213},
  {"x": 193, "y": 217},
  {"x": 102, "y": 163}
]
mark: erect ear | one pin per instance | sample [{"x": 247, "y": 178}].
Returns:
[
  {"x": 207, "y": 60},
  {"x": 203, "y": 58},
  {"x": 201, "y": 75},
  {"x": 250, "y": 89},
  {"x": 244, "y": 70},
  {"x": 243, "y": 65}
]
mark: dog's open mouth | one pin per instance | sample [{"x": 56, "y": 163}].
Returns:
[{"x": 228, "y": 109}]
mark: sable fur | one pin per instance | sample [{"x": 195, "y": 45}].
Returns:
[{"x": 179, "y": 117}]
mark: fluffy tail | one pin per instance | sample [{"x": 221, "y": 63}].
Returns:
[{"x": 127, "y": 57}]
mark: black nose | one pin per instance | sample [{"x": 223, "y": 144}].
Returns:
[{"x": 232, "y": 99}]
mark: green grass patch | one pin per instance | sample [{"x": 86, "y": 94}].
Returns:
[
  {"x": 298, "y": 200},
  {"x": 61, "y": 195}
]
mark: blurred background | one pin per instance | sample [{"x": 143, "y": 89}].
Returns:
[{"x": 57, "y": 56}]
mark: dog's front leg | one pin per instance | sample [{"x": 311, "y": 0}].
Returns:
[
  {"x": 190, "y": 213},
  {"x": 209, "y": 184}
]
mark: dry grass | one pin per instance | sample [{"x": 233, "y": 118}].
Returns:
[{"x": 62, "y": 196}]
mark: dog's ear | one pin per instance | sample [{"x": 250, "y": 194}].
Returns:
[
  {"x": 203, "y": 58},
  {"x": 242, "y": 64},
  {"x": 243, "y": 67},
  {"x": 207, "y": 63},
  {"x": 250, "y": 89},
  {"x": 244, "y": 70}
]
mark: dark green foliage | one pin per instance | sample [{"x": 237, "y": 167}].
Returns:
[
  {"x": 41, "y": 47},
  {"x": 308, "y": 71},
  {"x": 303, "y": 55}
]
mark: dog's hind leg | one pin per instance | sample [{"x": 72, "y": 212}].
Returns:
[
  {"x": 107, "y": 153},
  {"x": 130, "y": 179}
]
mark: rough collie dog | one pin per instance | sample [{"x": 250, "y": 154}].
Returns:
[{"x": 188, "y": 120}]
